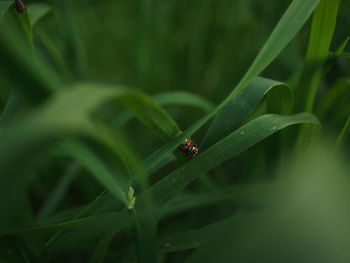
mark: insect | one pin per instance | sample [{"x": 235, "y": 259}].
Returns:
[
  {"x": 20, "y": 6},
  {"x": 186, "y": 145},
  {"x": 193, "y": 152},
  {"x": 189, "y": 149}
]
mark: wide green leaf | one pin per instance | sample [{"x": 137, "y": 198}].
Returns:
[
  {"x": 233, "y": 144},
  {"x": 289, "y": 25},
  {"x": 67, "y": 114},
  {"x": 239, "y": 107},
  {"x": 291, "y": 22}
]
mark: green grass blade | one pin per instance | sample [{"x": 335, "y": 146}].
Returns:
[
  {"x": 37, "y": 78},
  {"x": 194, "y": 238},
  {"x": 4, "y": 6},
  {"x": 102, "y": 248},
  {"x": 322, "y": 29},
  {"x": 238, "y": 109},
  {"x": 291, "y": 22},
  {"x": 98, "y": 169},
  {"x": 59, "y": 192},
  {"x": 343, "y": 133},
  {"x": 66, "y": 114},
  {"x": 169, "y": 99},
  {"x": 185, "y": 99},
  {"x": 37, "y": 11},
  {"x": 159, "y": 156},
  {"x": 233, "y": 144},
  {"x": 101, "y": 222},
  {"x": 342, "y": 47}
]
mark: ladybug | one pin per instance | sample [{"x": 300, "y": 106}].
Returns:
[
  {"x": 189, "y": 149},
  {"x": 193, "y": 152},
  {"x": 20, "y": 6},
  {"x": 186, "y": 145}
]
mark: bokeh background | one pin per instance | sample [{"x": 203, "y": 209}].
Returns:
[{"x": 202, "y": 47}]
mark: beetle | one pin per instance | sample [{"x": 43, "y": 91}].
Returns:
[
  {"x": 20, "y": 6},
  {"x": 186, "y": 145},
  {"x": 193, "y": 152}
]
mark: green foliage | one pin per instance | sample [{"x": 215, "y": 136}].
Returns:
[{"x": 92, "y": 98}]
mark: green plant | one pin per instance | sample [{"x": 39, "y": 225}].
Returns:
[{"x": 60, "y": 122}]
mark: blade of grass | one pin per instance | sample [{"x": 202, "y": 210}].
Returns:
[
  {"x": 194, "y": 238},
  {"x": 168, "y": 99},
  {"x": 90, "y": 161},
  {"x": 102, "y": 248},
  {"x": 239, "y": 107},
  {"x": 322, "y": 29},
  {"x": 65, "y": 115},
  {"x": 233, "y": 144},
  {"x": 291, "y": 22},
  {"x": 59, "y": 192},
  {"x": 4, "y": 6},
  {"x": 342, "y": 133},
  {"x": 37, "y": 11}
]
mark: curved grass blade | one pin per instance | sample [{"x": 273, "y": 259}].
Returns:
[
  {"x": 90, "y": 161},
  {"x": 102, "y": 248},
  {"x": 17, "y": 59},
  {"x": 65, "y": 115},
  {"x": 322, "y": 29},
  {"x": 239, "y": 107},
  {"x": 289, "y": 25},
  {"x": 24, "y": 25},
  {"x": 342, "y": 134},
  {"x": 185, "y": 202},
  {"x": 59, "y": 192},
  {"x": 118, "y": 220},
  {"x": 185, "y": 99},
  {"x": 291, "y": 22},
  {"x": 37, "y": 11},
  {"x": 194, "y": 238},
  {"x": 342, "y": 47},
  {"x": 4, "y": 6},
  {"x": 233, "y": 144},
  {"x": 171, "y": 98}
]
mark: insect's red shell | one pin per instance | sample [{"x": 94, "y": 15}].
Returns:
[
  {"x": 186, "y": 146},
  {"x": 193, "y": 152}
]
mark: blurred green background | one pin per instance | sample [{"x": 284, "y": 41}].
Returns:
[{"x": 202, "y": 47}]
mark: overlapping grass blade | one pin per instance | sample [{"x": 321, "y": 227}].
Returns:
[
  {"x": 37, "y": 11},
  {"x": 233, "y": 144},
  {"x": 65, "y": 115},
  {"x": 59, "y": 192},
  {"x": 98, "y": 222},
  {"x": 175, "y": 98},
  {"x": 37, "y": 79},
  {"x": 289, "y": 25},
  {"x": 98, "y": 169},
  {"x": 291, "y": 22},
  {"x": 194, "y": 238},
  {"x": 239, "y": 107},
  {"x": 102, "y": 248},
  {"x": 342, "y": 47},
  {"x": 323, "y": 25},
  {"x": 4, "y": 6}
]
